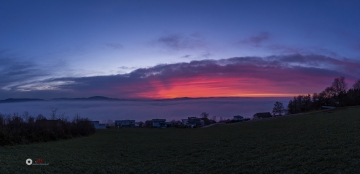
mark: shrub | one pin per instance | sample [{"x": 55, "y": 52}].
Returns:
[{"x": 19, "y": 130}]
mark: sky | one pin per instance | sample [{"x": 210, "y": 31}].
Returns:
[{"x": 173, "y": 48}]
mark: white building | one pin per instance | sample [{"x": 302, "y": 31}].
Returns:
[
  {"x": 97, "y": 125},
  {"x": 184, "y": 121},
  {"x": 238, "y": 118},
  {"x": 158, "y": 123},
  {"x": 124, "y": 123}
]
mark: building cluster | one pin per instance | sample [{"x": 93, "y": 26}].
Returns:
[
  {"x": 190, "y": 122},
  {"x": 161, "y": 123}
]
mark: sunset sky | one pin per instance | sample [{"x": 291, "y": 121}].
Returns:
[{"x": 176, "y": 48}]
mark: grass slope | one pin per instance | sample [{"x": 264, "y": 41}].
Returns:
[{"x": 323, "y": 142}]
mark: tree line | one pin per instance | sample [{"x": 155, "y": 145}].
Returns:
[
  {"x": 24, "y": 129},
  {"x": 337, "y": 94}
]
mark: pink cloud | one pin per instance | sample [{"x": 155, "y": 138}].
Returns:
[{"x": 240, "y": 76}]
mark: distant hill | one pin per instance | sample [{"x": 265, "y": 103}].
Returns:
[
  {"x": 11, "y": 100},
  {"x": 102, "y": 98}
]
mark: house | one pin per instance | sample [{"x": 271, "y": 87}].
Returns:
[
  {"x": 184, "y": 121},
  {"x": 124, "y": 123},
  {"x": 238, "y": 118},
  {"x": 195, "y": 122},
  {"x": 169, "y": 124},
  {"x": 262, "y": 115},
  {"x": 192, "y": 122},
  {"x": 97, "y": 125},
  {"x": 160, "y": 123},
  {"x": 177, "y": 123}
]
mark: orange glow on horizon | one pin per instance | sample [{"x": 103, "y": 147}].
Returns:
[{"x": 205, "y": 86}]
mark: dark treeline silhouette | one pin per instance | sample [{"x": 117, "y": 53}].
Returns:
[
  {"x": 337, "y": 95},
  {"x": 26, "y": 129}
]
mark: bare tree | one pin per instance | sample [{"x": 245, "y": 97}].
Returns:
[
  {"x": 76, "y": 118},
  {"x": 53, "y": 114},
  {"x": 339, "y": 86},
  {"x": 307, "y": 102},
  {"x": 63, "y": 118},
  {"x": 26, "y": 115},
  {"x": 40, "y": 117},
  {"x": 278, "y": 108},
  {"x": 329, "y": 92},
  {"x": 204, "y": 115},
  {"x": 356, "y": 85}
]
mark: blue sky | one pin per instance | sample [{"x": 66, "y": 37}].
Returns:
[{"x": 76, "y": 39}]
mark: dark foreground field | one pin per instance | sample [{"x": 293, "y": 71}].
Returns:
[{"x": 327, "y": 142}]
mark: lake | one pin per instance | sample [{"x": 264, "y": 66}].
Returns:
[{"x": 146, "y": 110}]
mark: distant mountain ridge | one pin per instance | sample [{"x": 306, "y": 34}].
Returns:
[
  {"x": 103, "y": 98},
  {"x": 11, "y": 100},
  {"x": 89, "y": 98},
  {"x": 128, "y": 99},
  {"x": 93, "y": 98}
]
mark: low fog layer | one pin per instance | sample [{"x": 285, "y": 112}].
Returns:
[{"x": 146, "y": 110}]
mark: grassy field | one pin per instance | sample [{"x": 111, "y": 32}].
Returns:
[{"x": 323, "y": 142}]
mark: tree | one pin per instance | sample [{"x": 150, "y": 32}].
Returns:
[
  {"x": 316, "y": 101},
  {"x": 300, "y": 106},
  {"x": 356, "y": 85},
  {"x": 291, "y": 107},
  {"x": 204, "y": 115},
  {"x": 53, "y": 114},
  {"x": 329, "y": 92},
  {"x": 40, "y": 117},
  {"x": 307, "y": 102},
  {"x": 353, "y": 97},
  {"x": 337, "y": 94},
  {"x": 205, "y": 118},
  {"x": 278, "y": 108},
  {"x": 214, "y": 118},
  {"x": 148, "y": 123},
  {"x": 339, "y": 86}
]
